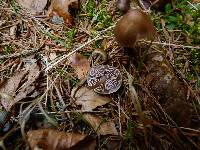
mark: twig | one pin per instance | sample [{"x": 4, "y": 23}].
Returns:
[
  {"x": 61, "y": 58},
  {"x": 8, "y": 26},
  {"x": 25, "y": 52},
  {"x": 168, "y": 44},
  {"x": 73, "y": 111},
  {"x": 9, "y": 132},
  {"x": 119, "y": 119},
  {"x": 192, "y": 5}
]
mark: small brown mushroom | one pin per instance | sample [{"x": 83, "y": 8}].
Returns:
[
  {"x": 134, "y": 25},
  {"x": 104, "y": 79}
]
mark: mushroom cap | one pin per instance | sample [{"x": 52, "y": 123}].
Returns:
[
  {"x": 106, "y": 79},
  {"x": 134, "y": 25}
]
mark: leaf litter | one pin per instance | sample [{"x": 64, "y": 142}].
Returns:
[
  {"x": 50, "y": 139},
  {"x": 101, "y": 127},
  {"x": 11, "y": 92},
  {"x": 88, "y": 99},
  {"x": 136, "y": 117}
]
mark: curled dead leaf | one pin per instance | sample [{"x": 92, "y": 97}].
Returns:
[
  {"x": 11, "y": 93},
  {"x": 102, "y": 128},
  {"x": 88, "y": 99},
  {"x": 80, "y": 64},
  {"x": 49, "y": 139},
  {"x": 8, "y": 89}
]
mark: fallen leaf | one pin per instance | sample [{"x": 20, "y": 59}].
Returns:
[
  {"x": 61, "y": 8},
  {"x": 33, "y": 5},
  {"x": 28, "y": 87},
  {"x": 80, "y": 64},
  {"x": 11, "y": 93},
  {"x": 7, "y": 91},
  {"x": 102, "y": 128},
  {"x": 49, "y": 139},
  {"x": 88, "y": 98}
]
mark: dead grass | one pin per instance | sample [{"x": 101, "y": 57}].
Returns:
[{"x": 141, "y": 126}]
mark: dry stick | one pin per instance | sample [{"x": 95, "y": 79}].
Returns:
[
  {"x": 73, "y": 111},
  {"x": 192, "y": 5},
  {"x": 167, "y": 44},
  {"x": 7, "y": 66},
  {"x": 123, "y": 111},
  {"x": 60, "y": 59},
  {"x": 25, "y": 52},
  {"x": 183, "y": 128},
  {"x": 55, "y": 123},
  {"x": 119, "y": 110},
  {"x": 58, "y": 93}
]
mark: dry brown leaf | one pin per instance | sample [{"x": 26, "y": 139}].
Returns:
[
  {"x": 104, "y": 128},
  {"x": 89, "y": 99},
  {"x": 33, "y": 5},
  {"x": 28, "y": 86},
  {"x": 49, "y": 139},
  {"x": 11, "y": 93},
  {"x": 61, "y": 8},
  {"x": 80, "y": 64},
  {"x": 7, "y": 91}
]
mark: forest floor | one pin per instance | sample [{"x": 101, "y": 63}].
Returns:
[{"x": 45, "y": 101}]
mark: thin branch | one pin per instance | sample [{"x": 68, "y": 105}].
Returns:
[
  {"x": 169, "y": 44},
  {"x": 61, "y": 58}
]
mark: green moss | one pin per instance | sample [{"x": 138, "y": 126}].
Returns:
[
  {"x": 7, "y": 50},
  {"x": 15, "y": 6},
  {"x": 70, "y": 35},
  {"x": 98, "y": 15}
]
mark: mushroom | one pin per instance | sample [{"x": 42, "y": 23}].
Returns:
[
  {"x": 104, "y": 79},
  {"x": 134, "y": 25}
]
